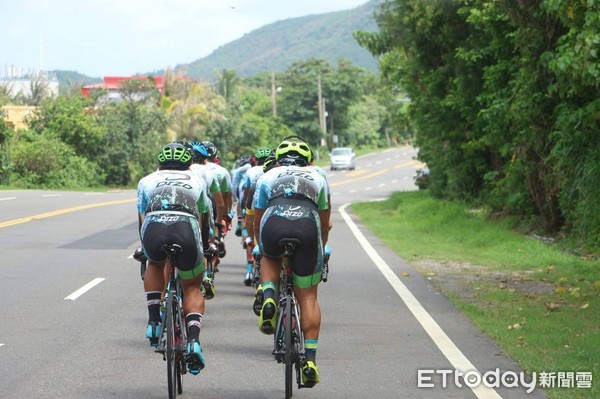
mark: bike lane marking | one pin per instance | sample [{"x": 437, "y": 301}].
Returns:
[
  {"x": 62, "y": 212},
  {"x": 431, "y": 327},
  {"x": 84, "y": 289}
]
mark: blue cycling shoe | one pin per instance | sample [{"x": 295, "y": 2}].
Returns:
[
  {"x": 195, "y": 358},
  {"x": 152, "y": 332}
]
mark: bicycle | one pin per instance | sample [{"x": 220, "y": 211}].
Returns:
[
  {"x": 288, "y": 338},
  {"x": 173, "y": 334}
]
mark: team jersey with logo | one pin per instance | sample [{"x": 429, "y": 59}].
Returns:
[
  {"x": 172, "y": 190},
  {"x": 252, "y": 176},
  {"x": 222, "y": 176},
  {"x": 205, "y": 173},
  {"x": 292, "y": 182}
]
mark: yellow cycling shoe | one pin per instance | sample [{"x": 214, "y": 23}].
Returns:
[
  {"x": 310, "y": 374},
  {"x": 268, "y": 313}
]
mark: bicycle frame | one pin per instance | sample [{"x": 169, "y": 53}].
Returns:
[
  {"x": 288, "y": 338},
  {"x": 173, "y": 332}
]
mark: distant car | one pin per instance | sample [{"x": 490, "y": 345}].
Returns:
[{"x": 342, "y": 158}]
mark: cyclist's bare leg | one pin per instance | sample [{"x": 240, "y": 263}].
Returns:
[
  {"x": 310, "y": 310},
  {"x": 193, "y": 300},
  {"x": 154, "y": 279},
  {"x": 269, "y": 269}
]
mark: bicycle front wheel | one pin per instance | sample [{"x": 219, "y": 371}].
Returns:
[
  {"x": 172, "y": 369},
  {"x": 289, "y": 366}
]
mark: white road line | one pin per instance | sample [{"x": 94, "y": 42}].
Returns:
[
  {"x": 368, "y": 189},
  {"x": 439, "y": 337},
  {"x": 382, "y": 185},
  {"x": 7, "y": 198},
  {"x": 395, "y": 181},
  {"x": 1, "y": 344},
  {"x": 85, "y": 289}
]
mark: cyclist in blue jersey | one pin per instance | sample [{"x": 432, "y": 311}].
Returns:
[
  {"x": 244, "y": 163},
  {"x": 172, "y": 204},
  {"x": 223, "y": 178},
  {"x": 198, "y": 167},
  {"x": 291, "y": 201},
  {"x": 248, "y": 184}
]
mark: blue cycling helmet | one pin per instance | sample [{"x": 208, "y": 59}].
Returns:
[{"x": 199, "y": 151}]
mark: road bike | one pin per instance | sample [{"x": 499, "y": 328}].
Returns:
[
  {"x": 289, "y": 339},
  {"x": 173, "y": 335}
]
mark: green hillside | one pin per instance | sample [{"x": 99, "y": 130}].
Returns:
[{"x": 278, "y": 45}]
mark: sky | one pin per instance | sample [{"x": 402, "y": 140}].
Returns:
[{"x": 123, "y": 37}]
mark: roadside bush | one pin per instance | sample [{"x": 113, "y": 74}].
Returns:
[{"x": 43, "y": 162}]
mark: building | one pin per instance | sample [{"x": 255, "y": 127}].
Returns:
[
  {"x": 112, "y": 84},
  {"x": 15, "y": 115},
  {"x": 20, "y": 84}
]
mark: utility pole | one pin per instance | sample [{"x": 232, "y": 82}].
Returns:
[
  {"x": 321, "y": 105},
  {"x": 273, "y": 93}
]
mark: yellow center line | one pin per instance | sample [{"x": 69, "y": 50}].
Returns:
[
  {"x": 62, "y": 211},
  {"x": 357, "y": 179},
  {"x": 402, "y": 165}
]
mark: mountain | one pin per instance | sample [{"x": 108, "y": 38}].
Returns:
[
  {"x": 69, "y": 78},
  {"x": 278, "y": 45}
]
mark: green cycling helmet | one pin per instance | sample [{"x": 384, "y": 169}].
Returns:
[
  {"x": 262, "y": 153},
  {"x": 269, "y": 162},
  {"x": 294, "y": 145},
  {"x": 175, "y": 155}
]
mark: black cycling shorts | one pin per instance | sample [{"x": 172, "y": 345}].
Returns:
[
  {"x": 162, "y": 228},
  {"x": 306, "y": 260}
]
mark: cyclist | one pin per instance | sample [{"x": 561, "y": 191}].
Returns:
[
  {"x": 171, "y": 204},
  {"x": 223, "y": 178},
  {"x": 244, "y": 163},
  {"x": 248, "y": 184},
  {"x": 199, "y": 168},
  {"x": 291, "y": 200}
]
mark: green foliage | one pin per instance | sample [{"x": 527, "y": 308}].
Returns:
[
  {"x": 5, "y": 135},
  {"x": 67, "y": 119},
  {"x": 42, "y": 161},
  {"x": 504, "y": 100}
]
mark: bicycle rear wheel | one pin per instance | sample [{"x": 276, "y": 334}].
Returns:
[
  {"x": 289, "y": 365},
  {"x": 172, "y": 363}
]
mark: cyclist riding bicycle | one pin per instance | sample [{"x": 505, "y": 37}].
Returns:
[
  {"x": 237, "y": 175},
  {"x": 249, "y": 184},
  {"x": 198, "y": 167},
  {"x": 172, "y": 204},
  {"x": 291, "y": 201},
  {"x": 223, "y": 178}
]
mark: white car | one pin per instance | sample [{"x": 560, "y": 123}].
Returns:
[{"x": 342, "y": 158}]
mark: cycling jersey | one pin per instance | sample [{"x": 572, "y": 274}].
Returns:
[
  {"x": 222, "y": 175},
  {"x": 171, "y": 202},
  {"x": 292, "y": 181},
  {"x": 292, "y": 197}
]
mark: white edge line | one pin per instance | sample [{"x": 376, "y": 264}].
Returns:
[
  {"x": 85, "y": 289},
  {"x": 7, "y": 198},
  {"x": 1, "y": 344},
  {"x": 439, "y": 337}
]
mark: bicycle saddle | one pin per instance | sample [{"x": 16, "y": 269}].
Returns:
[{"x": 171, "y": 249}]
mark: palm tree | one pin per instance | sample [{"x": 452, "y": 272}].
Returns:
[{"x": 227, "y": 82}]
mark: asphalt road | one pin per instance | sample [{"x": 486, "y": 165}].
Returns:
[{"x": 385, "y": 329}]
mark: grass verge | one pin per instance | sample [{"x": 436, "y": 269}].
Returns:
[{"x": 540, "y": 304}]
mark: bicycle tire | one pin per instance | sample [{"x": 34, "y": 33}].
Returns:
[
  {"x": 289, "y": 364},
  {"x": 171, "y": 346},
  {"x": 180, "y": 342}
]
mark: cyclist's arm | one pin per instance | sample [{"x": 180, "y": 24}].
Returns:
[
  {"x": 258, "y": 214},
  {"x": 324, "y": 216}
]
